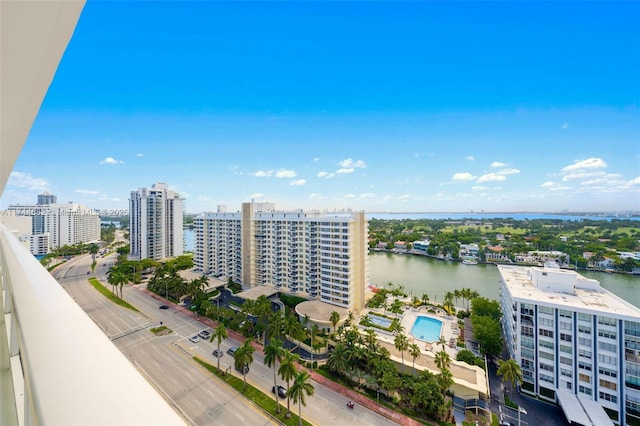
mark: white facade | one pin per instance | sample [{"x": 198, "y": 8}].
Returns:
[
  {"x": 56, "y": 225},
  {"x": 156, "y": 223},
  {"x": 319, "y": 256},
  {"x": 570, "y": 336}
]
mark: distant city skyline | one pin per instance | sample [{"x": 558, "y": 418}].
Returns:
[{"x": 374, "y": 106}]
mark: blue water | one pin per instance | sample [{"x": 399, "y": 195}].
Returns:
[
  {"x": 379, "y": 321},
  {"x": 427, "y": 329},
  {"x": 480, "y": 216}
]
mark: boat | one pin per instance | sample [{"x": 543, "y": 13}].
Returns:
[{"x": 469, "y": 260}]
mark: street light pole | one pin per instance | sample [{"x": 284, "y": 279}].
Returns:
[{"x": 523, "y": 411}]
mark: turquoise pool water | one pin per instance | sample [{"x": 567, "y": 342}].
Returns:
[{"x": 427, "y": 329}]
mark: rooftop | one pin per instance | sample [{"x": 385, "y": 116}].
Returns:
[{"x": 563, "y": 288}]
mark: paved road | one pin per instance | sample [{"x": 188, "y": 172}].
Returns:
[
  {"x": 196, "y": 394},
  {"x": 165, "y": 361}
]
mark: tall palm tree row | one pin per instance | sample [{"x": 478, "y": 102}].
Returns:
[
  {"x": 219, "y": 334},
  {"x": 243, "y": 358},
  {"x": 288, "y": 371},
  {"x": 299, "y": 389},
  {"x": 273, "y": 353}
]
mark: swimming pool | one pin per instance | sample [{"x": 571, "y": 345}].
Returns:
[{"x": 427, "y": 329}]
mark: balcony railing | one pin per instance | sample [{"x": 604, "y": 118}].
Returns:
[{"x": 63, "y": 370}]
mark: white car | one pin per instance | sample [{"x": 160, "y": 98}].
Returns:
[{"x": 194, "y": 339}]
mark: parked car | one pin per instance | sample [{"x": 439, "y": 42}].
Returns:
[
  {"x": 194, "y": 339},
  {"x": 282, "y": 392},
  {"x": 204, "y": 334},
  {"x": 232, "y": 350},
  {"x": 217, "y": 353},
  {"x": 246, "y": 369},
  {"x": 163, "y": 307}
]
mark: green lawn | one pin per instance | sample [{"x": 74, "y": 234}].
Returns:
[
  {"x": 109, "y": 295},
  {"x": 261, "y": 399}
]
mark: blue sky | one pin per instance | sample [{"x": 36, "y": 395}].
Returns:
[{"x": 375, "y": 106}]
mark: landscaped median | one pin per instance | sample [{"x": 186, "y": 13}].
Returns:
[
  {"x": 109, "y": 295},
  {"x": 259, "y": 398}
]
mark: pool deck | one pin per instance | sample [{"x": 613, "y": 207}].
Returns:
[{"x": 468, "y": 380}]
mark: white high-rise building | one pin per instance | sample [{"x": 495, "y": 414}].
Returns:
[
  {"x": 56, "y": 225},
  {"x": 576, "y": 343},
  {"x": 156, "y": 223},
  {"x": 323, "y": 257}
]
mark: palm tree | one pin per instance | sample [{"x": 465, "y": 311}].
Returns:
[
  {"x": 288, "y": 371},
  {"x": 299, "y": 389},
  {"x": 219, "y": 334},
  {"x": 401, "y": 342},
  {"x": 338, "y": 360},
  {"x": 442, "y": 360},
  {"x": 275, "y": 326},
  {"x": 335, "y": 319},
  {"x": 117, "y": 279},
  {"x": 425, "y": 298},
  {"x": 243, "y": 359},
  {"x": 272, "y": 355},
  {"x": 414, "y": 351},
  {"x": 442, "y": 341},
  {"x": 510, "y": 371}
]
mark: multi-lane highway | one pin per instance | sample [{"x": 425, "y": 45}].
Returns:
[{"x": 166, "y": 360}]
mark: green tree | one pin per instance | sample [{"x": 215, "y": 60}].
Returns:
[
  {"x": 335, "y": 319},
  {"x": 273, "y": 353},
  {"x": 510, "y": 372},
  {"x": 219, "y": 334},
  {"x": 442, "y": 360},
  {"x": 243, "y": 358},
  {"x": 414, "y": 351},
  {"x": 299, "y": 389},
  {"x": 482, "y": 306},
  {"x": 338, "y": 360},
  {"x": 401, "y": 342},
  {"x": 288, "y": 371},
  {"x": 488, "y": 333}
]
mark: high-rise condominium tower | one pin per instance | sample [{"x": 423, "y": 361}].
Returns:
[
  {"x": 577, "y": 344},
  {"x": 323, "y": 257},
  {"x": 155, "y": 223}
]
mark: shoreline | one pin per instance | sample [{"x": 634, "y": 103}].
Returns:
[{"x": 484, "y": 262}]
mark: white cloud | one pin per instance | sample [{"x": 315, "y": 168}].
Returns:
[
  {"x": 505, "y": 172},
  {"x": 257, "y": 195},
  {"x": 491, "y": 177},
  {"x": 263, "y": 173},
  {"x": 463, "y": 177},
  {"x": 581, "y": 175},
  {"x": 111, "y": 161},
  {"x": 316, "y": 196},
  {"x": 86, "y": 191},
  {"x": 325, "y": 175},
  {"x": 316, "y": 159},
  {"x": 497, "y": 164},
  {"x": 469, "y": 157},
  {"x": 350, "y": 196},
  {"x": 368, "y": 195},
  {"x": 565, "y": 126},
  {"x": 298, "y": 182},
  {"x": 25, "y": 180},
  {"x": 284, "y": 173},
  {"x": 479, "y": 188},
  {"x": 635, "y": 181},
  {"x": 349, "y": 164},
  {"x": 139, "y": 154},
  {"x": 554, "y": 186},
  {"x": 345, "y": 171},
  {"x": 589, "y": 163}
]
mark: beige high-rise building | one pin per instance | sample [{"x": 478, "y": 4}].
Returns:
[{"x": 319, "y": 256}]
